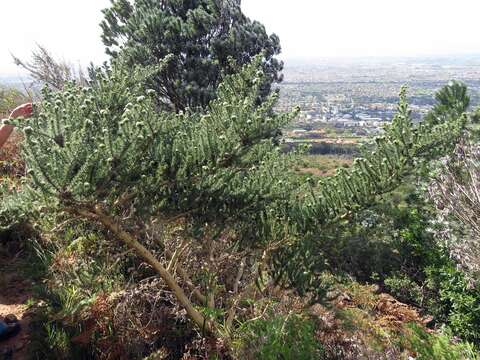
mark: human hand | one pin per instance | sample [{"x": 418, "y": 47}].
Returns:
[{"x": 24, "y": 110}]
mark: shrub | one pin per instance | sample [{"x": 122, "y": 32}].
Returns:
[
  {"x": 455, "y": 192},
  {"x": 426, "y": 346},
  {"x": 108, "y": 156},
  {"x": 279, "y": 337},
  {"x": 404, "y": 289},
  {"x": 458, "y": 303}
]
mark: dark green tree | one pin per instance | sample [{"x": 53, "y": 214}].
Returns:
[
  {"x": 451, "y": 100},
  {"x": 191, "y": 44}
]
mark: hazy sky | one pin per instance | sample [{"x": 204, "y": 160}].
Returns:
[{"x": 307, "y": 28}]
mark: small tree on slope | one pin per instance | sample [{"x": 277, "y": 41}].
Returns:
[{"x": 104, "y": 153}]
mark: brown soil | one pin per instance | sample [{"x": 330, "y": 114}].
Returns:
[
  {"x": 14, "y": 294},
  {"x": 15, "y": 290}
]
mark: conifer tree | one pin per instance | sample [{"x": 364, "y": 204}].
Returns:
[
  {"x": 106, "y": 154},
  {"x": 451, "y": 100},
  {"x": 190, "y": 43}
]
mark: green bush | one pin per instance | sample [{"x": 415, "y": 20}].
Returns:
[
  {"x": 404, "y": 289},
  {"x": 281, "y": 337},
  {"x": 427, "y": 346},
  {"x": 105, "y": 155},
  {"x": 458, "y": 302}
]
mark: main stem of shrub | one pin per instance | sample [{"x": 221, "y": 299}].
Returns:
[{"x": 97, "y": 214}]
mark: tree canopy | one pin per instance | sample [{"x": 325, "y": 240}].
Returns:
[{"x": 190, "y": 43}]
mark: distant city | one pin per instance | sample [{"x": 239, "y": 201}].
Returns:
[
  {"x": 360, "y": 96},
  {"x": 356, "y": 96}
]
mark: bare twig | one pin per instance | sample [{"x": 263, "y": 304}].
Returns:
[
  {"x": 44, "y": 68},
  {"x": 233, "y": 309},
  {"x": 176, "y": 255}
]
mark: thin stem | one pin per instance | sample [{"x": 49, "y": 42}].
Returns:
[{"x": 233, "y": 309}]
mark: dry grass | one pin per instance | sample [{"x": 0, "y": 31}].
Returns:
[
  {"x": 11, "y": 163},
  {"x": 359, "y": 323},
  {"x": 323, "y": 165}
]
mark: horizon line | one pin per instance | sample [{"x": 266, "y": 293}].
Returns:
[{"x": 324, "y": 58}]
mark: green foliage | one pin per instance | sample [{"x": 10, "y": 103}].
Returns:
[
  {"x": 222, "y": 171},
  {"x": 280, "y": 337},
  {"x": 17, "y": 206},
  {"x": 97, "y": 144},
  {"x": 59, "y": 341},
  {"x": 451, "y": 101},
  {"x": 424, "y": 275},
  {"x": 427, "y": 346},
  {"x": 399, "y": 154},
  {"x": 404, "y": 289},
  {"x": 191, "y": 43},
  {"x": 458, "y": 302},
  {"x": 387, "y": 239},
  {"x": 419, "y": 271},
  {"x": 396, "y": 155},
  {"x": 75, "y": 272}
]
